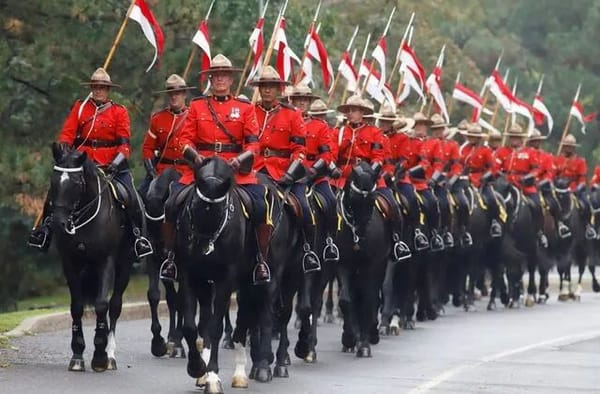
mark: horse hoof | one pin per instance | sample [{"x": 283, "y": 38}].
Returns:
[
  {"x": 301, "y": 350},
  {"x": 159, "y": 347},
  {"x": 177, "y": 352},
  {"x": 432, "y": 314},
  {"x": 395, "y": 330},
  {"x": 100, "y": 364},
  {"x": 201, "y": 381},
  {"x": 311, "y": 357},
  {"x": 228, "y": 344},
  {"x": 213, "y": 386},
  {"x": 252, "y": 374},
  {"x": 563, "y": 297},
  {"x": 529, "y": 302},
  {"x": 287, "y": 360},
  {"x": 281, "y": 371},
  {"x": 364, "y": 352},
  {"x": 329, "y": 318},
  {"x": 384, "y": 331},
  {"x": 77, "y": 365},
  {"x": 409, "y": 325},
  {"x": 196, "y": 368},
  {"x": 239, "y": 382},
  {"x": 374, "y": 336},
  {"x": 491, "y": 306},
  {"x": 264, "y": 375},
  {"x": 504, "y": 299},
  {"x": 595, "y": 286},
  {"x": 347, "y": 349},
  {"x": 112, "y": 364}
]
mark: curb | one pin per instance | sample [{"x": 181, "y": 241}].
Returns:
[{"x": 62, "y": 320}]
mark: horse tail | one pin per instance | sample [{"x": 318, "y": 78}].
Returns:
[{"x": 89, "y": 285}]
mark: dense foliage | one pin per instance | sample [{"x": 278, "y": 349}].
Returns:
[{"x": 48, "y": 47}]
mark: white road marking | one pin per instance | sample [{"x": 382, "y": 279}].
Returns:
[{"x": 448, "y": 374}]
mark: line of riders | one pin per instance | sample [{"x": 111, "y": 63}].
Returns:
[{"x": 289, "y": 141}]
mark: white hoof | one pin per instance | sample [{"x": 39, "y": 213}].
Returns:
[
  {"x": 529, "y": 301},
  {"x": 395, "y": 325},
  {"x": 239, "y": 382},
  {"x": 213, "y": 384},
  {"x": 201, "y": 381},
  {"x": 564, "y": 294}
]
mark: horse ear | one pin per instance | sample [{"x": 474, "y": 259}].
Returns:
[
  {"x": 58, "y": 152},
  {"x": 81, "y": 158}
]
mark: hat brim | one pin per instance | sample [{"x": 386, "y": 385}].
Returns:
[
  {"x": 574, "y": 145},
  {"x": 259, "y": 82},
  {"x": 308, "y": 96},
  {"x": 476, "y": 135},
  {"x": 410, "y": 123},
  {"x": 387, "y": 118},
  {"x": 345, "y": 107},
  {"x": 323, "y": 112},
  {"x": 100, "y": 83},
  {"x": 540, "y": 138},
  {"x": 220, "y": 70},
  {"x": 179, "y": 89},
  {"x": 522, "y": 135},
  {"x": 426, "y": 122},
  {"x": 439, "y": 126}
]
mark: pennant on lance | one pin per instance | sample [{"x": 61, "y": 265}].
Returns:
[{"x": 141, "y": 13}]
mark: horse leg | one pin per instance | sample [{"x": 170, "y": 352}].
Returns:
[
  {"x": 220, "y": 305},
  {"x": 531, "y": 287},
  {"x": 543, "y": 292},
  {"x": 77, "y": 341},
  {"x": 175, "y": 334},
  {"x": 316, "y": 304},
  {"x": 329, "y": 318},
  {"x": 196, "y": 367},
  {"x": 595, "y": 284},
  {"x": 346, "y": 300},
  {"x": 282, "y": 319},
  {"x": 105, "y": 272},
  {"x": 114, "y": 311},
  {"x": 387, "y": 290},
  {"x": 158, "y": 346},
  {"x": 368, "y": 303},
  {"x": 227, "y": 340},
  {"x": 303, "y": 311},
  {"x": 265, "y": 324}
]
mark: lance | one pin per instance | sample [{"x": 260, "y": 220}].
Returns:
[
  {"x": 451, "y": 101},
  {"x": 269, "y": 52},
  {"x": 362, "y": 59},
  {"x": 117, "y": 40},
  {"x": 307, "y": 42},
  {"x": 398, "y": 55},
  {"x": 387, "y": 27},
  {"x": 249, "y": 56},
  {"x": 339, "y": 74},
  {"x": 194, "y": 50},
  {"x": 568, "y": 124},
  {"x": 401, "y": 81}
]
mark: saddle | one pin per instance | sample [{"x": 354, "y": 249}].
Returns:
[
  {"x": 175, "y": 201},
  {"x": 120, "y": 192},
  {"x": 291, "y": 201},
  {"x": 388, "y": 211},
  {"x": 245, "y": 201}
]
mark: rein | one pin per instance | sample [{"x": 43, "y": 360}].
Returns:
[
  {"x": 76, "y": 214},
  {"x": 228, "y": 209}
]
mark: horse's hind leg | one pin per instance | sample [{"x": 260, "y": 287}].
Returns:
[
  {"x": 158, "y": 346},
  {"x": 595, "y": 284},
  {"x": 175, "y": 334},
  {"x": 114, "y": 311},
  {"x": 77, "y": 342},
  {"x": 227, "y": 340},
  {"x": 105, "y": 272},
  {"x": 196, "y": 367},
  {"x": 531, "y": 287}
]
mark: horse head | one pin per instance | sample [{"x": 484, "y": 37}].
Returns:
[
  {"x": 510, "y": 194},
  {"x": 157, "y": 194},
  {"x": 563, "y": 195},
  {"x": 359, "y": 190},
  {"x": 214, "y": 179},
  {"x": 68, "y": 185}
]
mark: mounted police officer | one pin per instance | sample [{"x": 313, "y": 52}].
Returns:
[
  {"x": 320, "y": 158},
  {"x": 161, "y": 147},
  {"x": 224, "y": 126},
  {"x": 100, "y": 127},
  {"x": 282, "y": 138}
]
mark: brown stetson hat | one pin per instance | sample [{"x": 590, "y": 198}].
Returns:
[
  {"x": 268, "y": 76},
  {"x": 175, "y": 84},
  {"x": 220, "y": 63},
  {"x": 355, "y": 101},
  {"x": 100, "y": 77}
]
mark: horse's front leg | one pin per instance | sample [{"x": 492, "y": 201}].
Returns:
[
  {"x": 175, "y": 334},
  {"x": 158, "y": 346},
  {"x": 346, "y": 303},
  {"x": 220, "y": 306},
  {"x": 531, "y": 287},
  {"x": 77, "y": 341},
  {"x": 196, "y": 367},
  {"x": 115, "y": 307},
  {"x": 105, "y": 272}
]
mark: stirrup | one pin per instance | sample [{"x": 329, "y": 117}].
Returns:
[
  {"x": 590, "y": 232},
  {"x": 142, "y": 247},
  {"x": 331, "y": 253},
  {"x": 448, "y": 240},
  {"x": 564, "y": 231},
  {"x": 310, "y": 260},
  {"x": 401, "y": 249},
  {"x": 467, "y": 239},
  {"x": 39, "y": 238},
  {"x": 261, "y": 281},
  {"x": 170, "y": 274},
  {"x": 495, "y": 229},
  {"x": 421, "y": 241},
  {"x": 437, "y": 243}
]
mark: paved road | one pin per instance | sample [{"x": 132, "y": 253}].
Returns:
[{"x": 554, "y": 348}]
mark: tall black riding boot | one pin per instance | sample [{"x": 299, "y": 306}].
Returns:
[
  {"x": 41, "y": 234},
  {"x": 261, "y": 273},
  {"x": 168, "y": 268},
  {"x": 135, "y": 211}
]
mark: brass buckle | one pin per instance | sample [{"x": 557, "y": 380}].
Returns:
[
  {"x": 267, "y": 152},
  {"x": 218, "y": 147}
]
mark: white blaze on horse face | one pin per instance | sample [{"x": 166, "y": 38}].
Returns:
[{"x": 64, "y": 177}]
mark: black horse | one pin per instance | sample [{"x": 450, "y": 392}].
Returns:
[
  {"x": 154, "y": 201},
  {"x": 94, "y": 243},
  {"x": 594, "y": 260},
  {"x": 215, "y": 252},
  {"x": 365, "y": 247}
]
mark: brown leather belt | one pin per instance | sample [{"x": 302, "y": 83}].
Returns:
[
  {"x": 219, "y": 147},
  {"x": 284, "y": 153},
  {"x": 171, "y": 161},
  {"x": 97, "y": 143}
]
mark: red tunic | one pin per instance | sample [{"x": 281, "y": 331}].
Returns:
[
  {"x": 573, "y": 168},
  {"x": 282, "y": 137},
  {"x": 400, "y": 152},
  {"x": 105, "y": 125},
  {"x": 451, "y": 163},
  {"x": 477, "y": 160},
  {"x": 545, "y": 164},
  {"x": 500, "y": 156},
  {"x": 200, "y": 130},
  {"x": 319, "y": 143},
  {"x": 162, "y": 139},
  {"x": 520, "y": 163},
  {"x": 365, "y": 142},
  {"x": 596, "y": 177}
]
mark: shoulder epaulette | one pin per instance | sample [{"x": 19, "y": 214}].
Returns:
[
  {"x": 243, "y": 100},
  {"x": 287, "y": 105}
]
